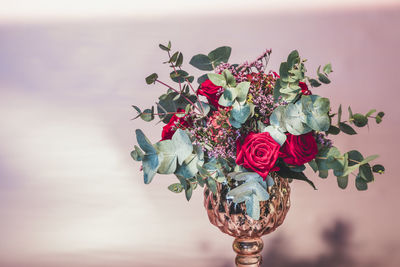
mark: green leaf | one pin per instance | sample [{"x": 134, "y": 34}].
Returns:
[
  {"x": 369, "y": 113},
  {"x": 212, "y": 185},
  {"x": 144, "y": 143},
  {"x": 240, "y": 113},
  {"x": 276, "y": 134},
  {"x": 137, "y": 109},
  {"x": 169, "y": 104},
  {"x": 242, "y": 91},
  {"x": 229, "y": 78},
  {"x": 230, "y": 94},
  {"x": 217, "y": 79},
  {"x": 350, "y": 113},
  {"x": 342, "y": 181},
  {"x": 369, "y": 158},
  {"x": 179, "y": 60},
  {"x": 340, "y": 114},
  {"x": 202, "y": 78},
  {"x": 235, "y": 123},
  {"x": 174, "y": 57},
  {"x": 151, "y": 161},
  {"x": 378, "y": 168},
  {"x": 355, "y": 157},
  {"x": 167, "y": 149},
  {"x": 313, "y": 165},
  {"x": 179, "y": 76},
  {"x": 366, "y": 172},
  {"x": 163, "y": 47},
  {"x": 253, "y": 207},
  {"x": 297, "y": 168},
  {"x": 204, "y": 106},
  {"x": 360, "y": 120},
  {"x": 333, "y": 130},
  {"x": 147, "y": 115},
  {"x": 202, "y": 62},
  {"x": 322, "y": 77},
  {"x": 293, "y": 59},
  {"x": 183, "y": 145},
  {"x": 346, "y": 128},
  {"x": 188, "y": 168},
  {"x": 219, "y": 55},
  {"x": 151, "y": 78},
  {"x": 137, "y": 154},
  {"x": 314, "y": 83},
  {"x": 224, "y": 101},
  {"x": 277, "y": 118},
  {"x": 323, "y": 174},
  {"x": 361, "y": 184},
  {"x": 189, "y": 191},
  {"x": 176, "y": 188},
  {"x": 285, "y": 172},
  {"x": 379, "y": 117},
  {"x": 293, "y": 119},
  {"x": 327, "y": 68}
]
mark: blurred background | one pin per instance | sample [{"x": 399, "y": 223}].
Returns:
[{"x": 70, "y": 195}]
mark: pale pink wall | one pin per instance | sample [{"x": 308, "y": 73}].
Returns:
[{"x": 71, "y": 195}]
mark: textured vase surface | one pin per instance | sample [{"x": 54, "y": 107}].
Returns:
[{"x": 231, "y": 219}]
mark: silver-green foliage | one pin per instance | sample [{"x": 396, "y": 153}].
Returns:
[
  {"x": 309, "y": 113},
  {"x": 234, "y": 95},
  {"x": 252, "y": 191}
]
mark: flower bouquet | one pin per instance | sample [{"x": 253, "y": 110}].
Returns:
[{"x": 244, "y": 133}]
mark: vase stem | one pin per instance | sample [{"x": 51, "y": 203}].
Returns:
[{"x": 248, "y": 251}]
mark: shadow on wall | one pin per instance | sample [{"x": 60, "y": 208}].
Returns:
[{"x": 337, "y": 240}]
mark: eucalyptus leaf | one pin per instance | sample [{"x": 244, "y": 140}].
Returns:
[
  {"x": 179, "y": 60},
  {"x": 242, "y": 91},
  {"x": 202, "y": 62},
  {"x": 219, "y": 55},
  {"x": 323, "y": 174},
  {"x": 276, "y": 134},
  {"x": 369, "y": 113},
  {"x": 365, "y": 172},
  {"x": 151, "y": 78},
  {"x": 360, "y": 120},
  {"x": 189, "y": 191},
  {"x": 217, "y": 79},
  {"x": 343, "y": 181},
  {"x": 230, "y": 79},
  {"x": 176, "y": 188},
  {"x": 183, "y": 145},
  {"x": 179, "y": 76},
  {"x": 240, "y": 113},
  {"x": 361, "y": 184},
  {"x": 346, "y": 128},
  {"x": 327, "y": 68},
  {"x": 314, "y": 83},
  {"x": 147, "y": 114},
  {"x": 378, "y": 168},
  {"x": 137, "y": 154},
  {"x": 202, "y": 78},
  {"x": 253, "y": 207}
]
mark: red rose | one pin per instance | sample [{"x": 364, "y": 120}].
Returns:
[
  {"x": 174, "y": 123},
  {"x": 299, "y": 149},
  {"x": 258, "y": 152},
  {"x": 211, "y": 92},
  {"x": 304, "y": 88}
]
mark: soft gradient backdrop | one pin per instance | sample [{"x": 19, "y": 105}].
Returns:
[{"x": 70, "y": 195}]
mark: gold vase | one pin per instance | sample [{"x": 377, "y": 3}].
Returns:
[{"x": 232, "y": 219}]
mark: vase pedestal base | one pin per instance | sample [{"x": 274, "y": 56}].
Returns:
[{"x": 248, "y": 251}]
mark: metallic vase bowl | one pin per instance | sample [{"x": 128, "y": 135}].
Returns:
[{"x": 232, "y": 219}]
